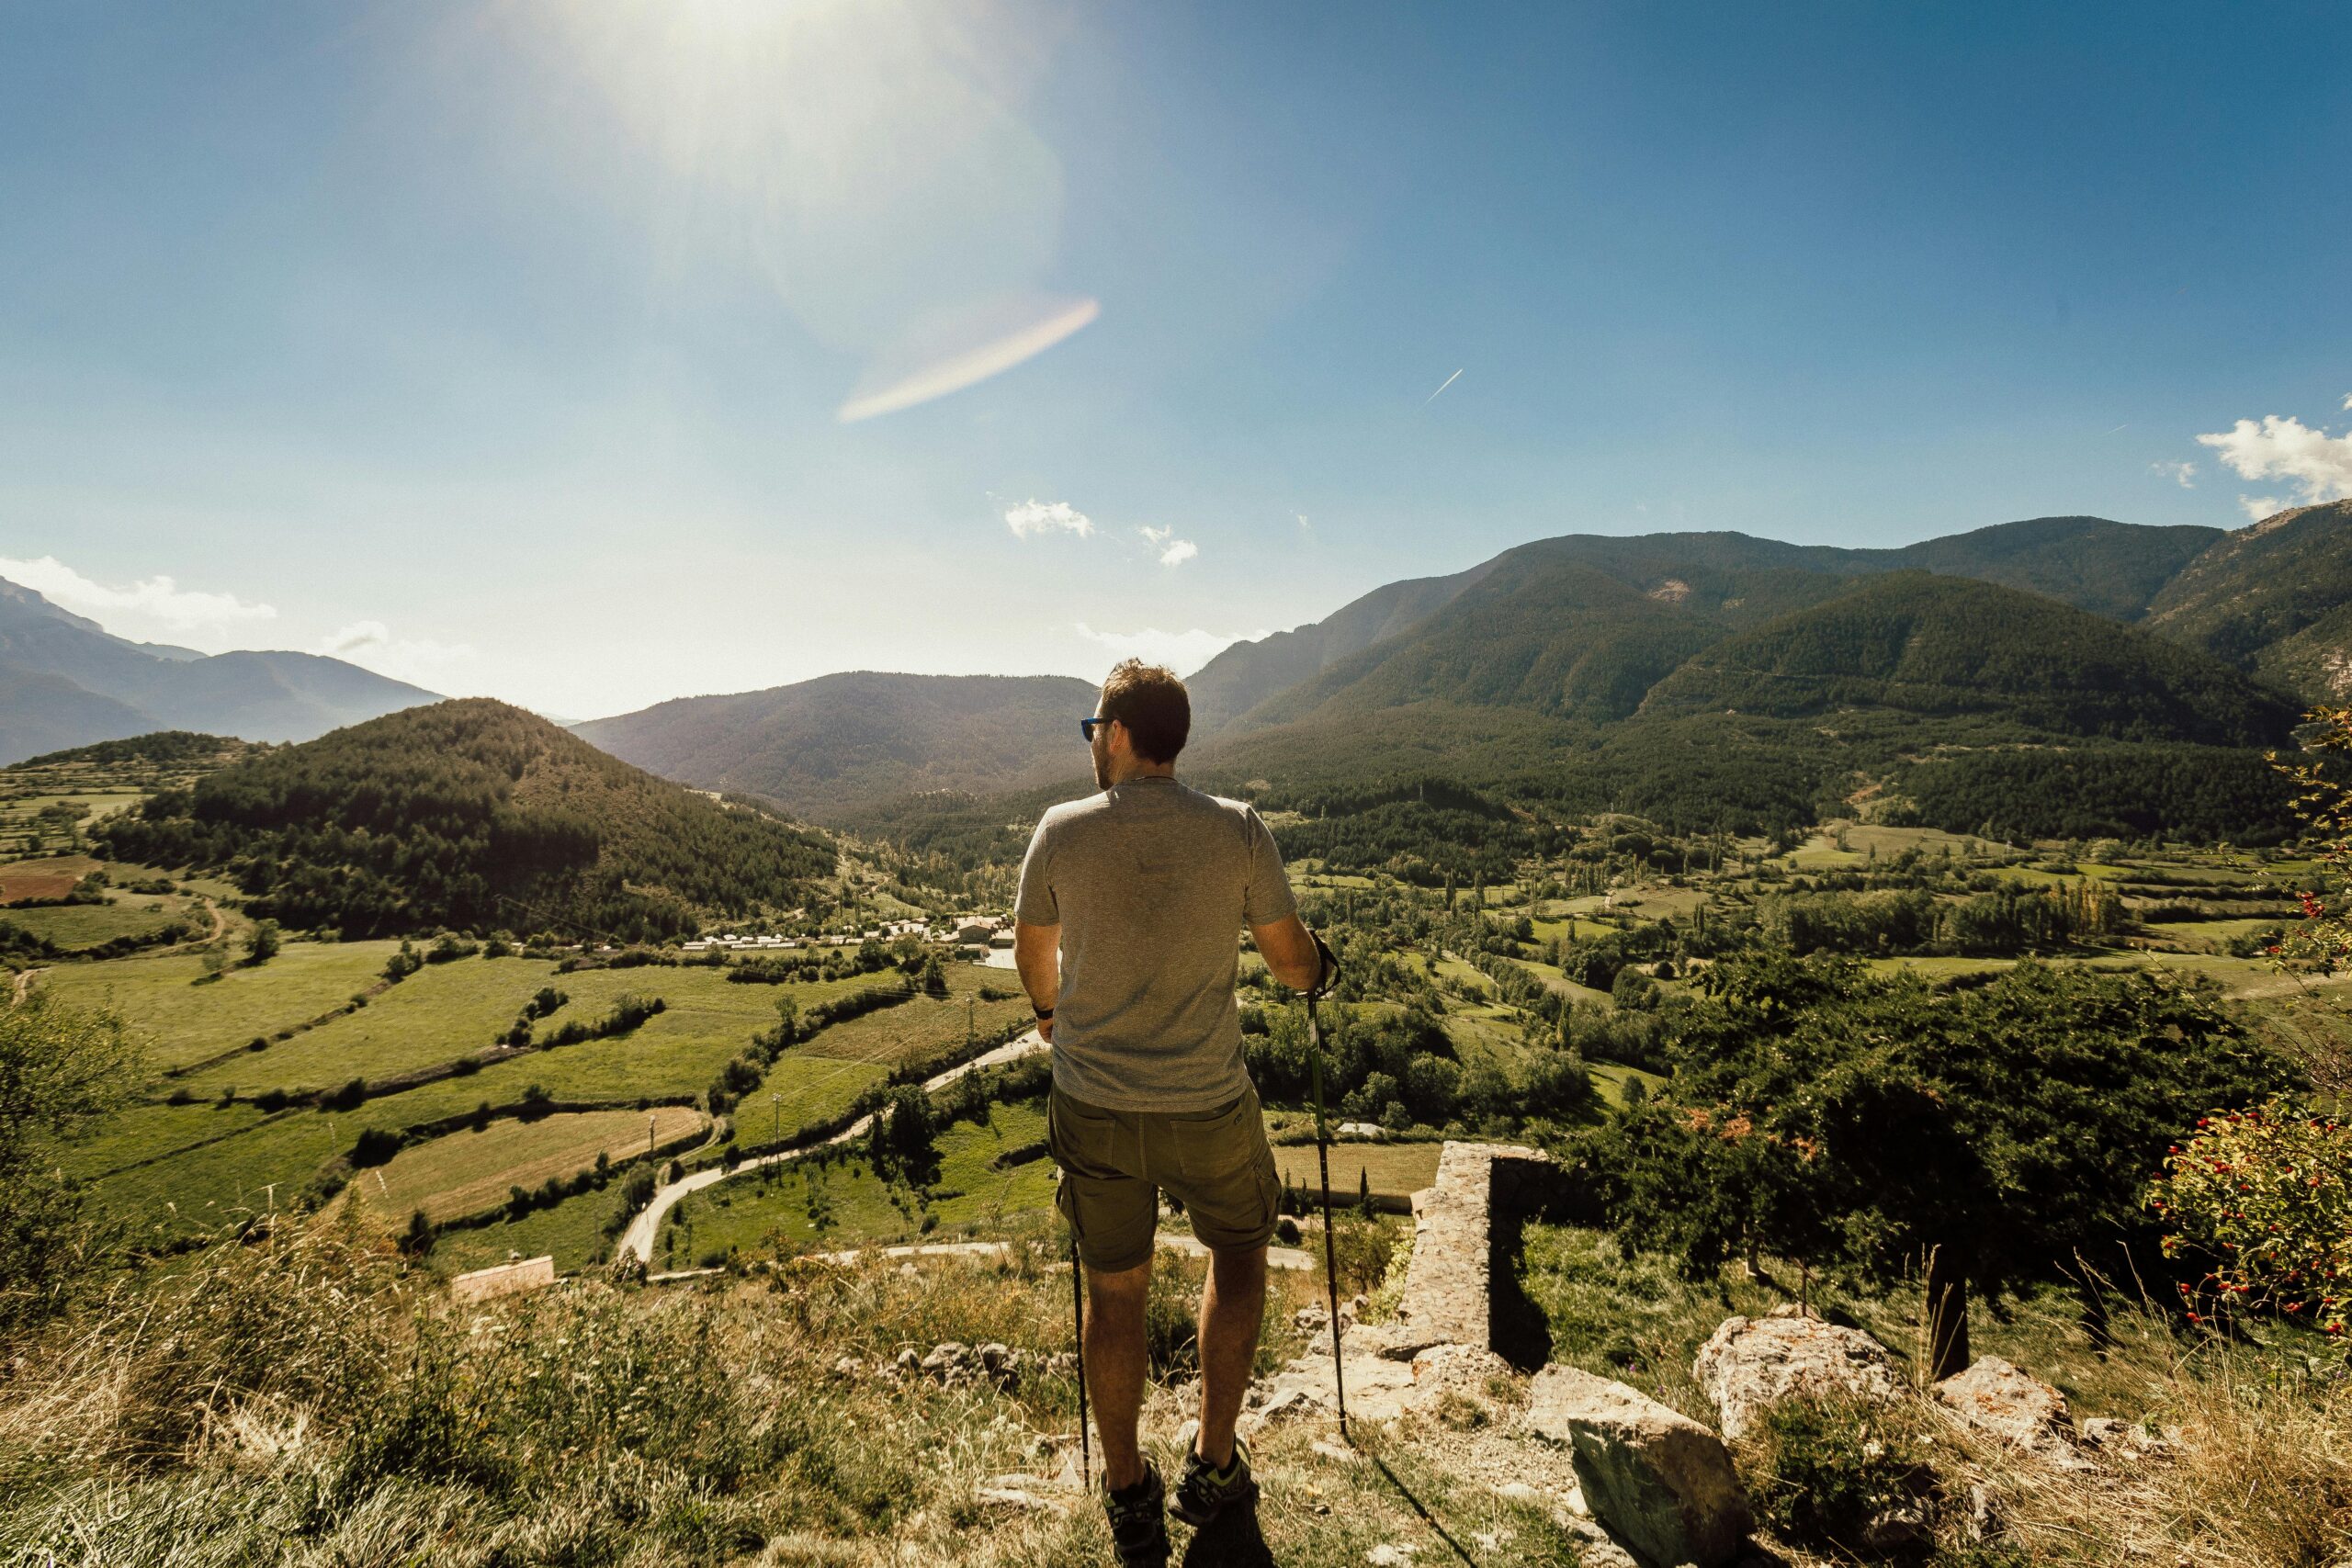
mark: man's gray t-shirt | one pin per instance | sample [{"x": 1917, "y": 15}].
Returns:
[{"x": 1150, "y": 883}]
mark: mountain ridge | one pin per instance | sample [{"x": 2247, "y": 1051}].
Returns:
[{"x": 66, "y": 681}]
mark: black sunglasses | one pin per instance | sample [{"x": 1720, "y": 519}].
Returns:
[{"x": 1087, "y": 727}]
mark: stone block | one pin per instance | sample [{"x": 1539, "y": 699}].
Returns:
[{"x": 1662, "y": 1484}]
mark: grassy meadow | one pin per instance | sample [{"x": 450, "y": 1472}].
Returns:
[
  {"x": 470, "y": 1171},
  {"x": 777, "y": 1209}
]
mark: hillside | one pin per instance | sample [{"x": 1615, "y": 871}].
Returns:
[
  {"x": 2111, "y": 569},
  {"x": 2275, "y": 599},
  {"x": 822, "y": 748},
  {"x": 1945, "y": 648},
  {"x": 471, "y": 814},
  {"x": 65, "y": 681}
]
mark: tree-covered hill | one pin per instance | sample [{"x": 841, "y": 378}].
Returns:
[
  {"x": 1945, "y": 647},
  {"x": 2111, "y": 569},
  {"x": 2275, "y": 599},
  {"x": 471, "y": 814},
  {"x": 824, "y": 747}
]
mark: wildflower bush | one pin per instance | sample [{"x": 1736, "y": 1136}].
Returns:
[{"x": 2265, "y": 1197}]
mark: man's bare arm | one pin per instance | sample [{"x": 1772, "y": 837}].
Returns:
[
  {"x": 1038, "y": 954},
  {"x": 1288, "y": 947}
]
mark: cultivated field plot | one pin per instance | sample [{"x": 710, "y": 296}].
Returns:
[
  {"x": 572, "y": 1232},
  {"x": 439, "y": 1014},
  {"x": 1560, "y": 985},
  {"x": 183, "y": 1023},
  {"x": 1396, "y": 1170},
  {"x": 220, "y": 1172},
  {"x": 1612, "y": 1079},
  {"x": 467, "y": 1172},
  {"x": 52, "y": 877},
  {"x": 915, "y": 1033},
  {"x": 778, "y": 1206},
  {"x": 75, "y": 927},
  {"x": 197, "y": 1177}
]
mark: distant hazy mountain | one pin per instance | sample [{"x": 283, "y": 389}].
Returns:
[
  {"x": 2275, "y": 598},
  {"x": 66, "y": 681},
  {"x": 824, "y": 747},
  {"x": 473, "y": 815}
]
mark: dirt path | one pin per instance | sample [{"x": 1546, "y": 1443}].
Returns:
[
  {"x": 638, "y": 1240},
  {"x": 24, "y": 983}
]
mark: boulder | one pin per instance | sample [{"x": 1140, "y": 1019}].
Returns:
[
  {"x": 1749, "y": 1364},
  {"x": 2024, "y": 1411},
  {"x": 1661, "y": 1483}
]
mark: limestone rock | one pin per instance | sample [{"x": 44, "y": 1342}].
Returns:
[
  {"x": 2024, "y": 1411},
  {"x": 1659, "y": 1481},
  {"x": 1749, "y": 1364}
]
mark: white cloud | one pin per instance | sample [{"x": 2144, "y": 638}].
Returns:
[
  {"x": 153, "y": 605},
  {"x": 371, "y": 644},
  {"x": 2261, "y": 506},
  {"x": 2182, "y": 474},
  {"x": 2348, "y": 400},
  {"x": 2317, "y": 464},
  {"x": 1173, "y": 551},
  {"x": 1037, "y": 517},
  {"x": 1183, "y": 652}
]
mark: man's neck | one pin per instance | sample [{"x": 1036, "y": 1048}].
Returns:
[{"x": 1143, "y": 771}]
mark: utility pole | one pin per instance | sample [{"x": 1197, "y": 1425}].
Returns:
[
  {"x": 776, "y": 1100},
  {"x": 971, "y": 1011},
  {"x": 649, "y": 1135}
]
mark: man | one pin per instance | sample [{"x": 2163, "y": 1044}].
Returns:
[{"x": 1127, "y": 937}]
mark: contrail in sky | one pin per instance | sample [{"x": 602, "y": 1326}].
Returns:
[{"x": 1449, "y": 381}]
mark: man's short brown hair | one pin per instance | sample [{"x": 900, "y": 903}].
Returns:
[{"x": 1152, "y": 703}]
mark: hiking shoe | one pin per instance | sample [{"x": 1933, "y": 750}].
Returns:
[
  {"x": 1203, "y": 1492},
  {"x": 1139, "y": 1521}
]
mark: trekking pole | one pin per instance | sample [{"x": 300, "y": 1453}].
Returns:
[
  {"x": 1330, "y": 1254},
  {"x": 1077, "y": 1318},
  {"x": 1330, "y": 967}
]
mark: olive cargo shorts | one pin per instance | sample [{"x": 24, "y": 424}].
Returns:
[{"x": 1114, "y": 1164}]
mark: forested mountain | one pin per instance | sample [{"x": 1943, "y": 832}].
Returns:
[
  {"x": 1946, "y": 647},
  {"x": 824, "y": 748},
  {"x": 1699, "y": 679},
  {"x": 475, "y": 814},
  {"x": 2111, "y": 569},
  {"x": 2275, "y": 599},
  {"x": 65, "y": 681},
  {"x": 1249, "y": 672}
]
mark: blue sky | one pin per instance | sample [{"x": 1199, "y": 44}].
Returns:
[{"x": 505, "y": 347}]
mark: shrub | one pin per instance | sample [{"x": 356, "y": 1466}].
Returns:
[
  {"x": 1819, "y": 1471},
  {"x": 2265, "y": 1196}
]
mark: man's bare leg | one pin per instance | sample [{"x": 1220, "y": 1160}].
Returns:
[
  {"x": 1233, "y": 1307},
  {"x": 1117, "y": 1359}
]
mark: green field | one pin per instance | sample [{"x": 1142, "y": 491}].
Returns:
[
  {"x": 75, "y": 927},
  {"x": 441, "y": 1012},
  {"x": 199, "y": 1163},
  {"x": 917, "y": 1032},
  {"x": 758, "y": 1213},
  {"x": 1560, "y": 985},
  {"x": 181, "y": 1021},
  {"x": 1398, "y": 1170},
  {"x": 470, "y": 1172},
  {"x": 572, "y": 1232}
]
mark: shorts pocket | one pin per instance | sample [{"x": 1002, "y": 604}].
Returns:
[
  {"x": 1221, "y": 1143},
  {"x": 1081, "y": 1138}
]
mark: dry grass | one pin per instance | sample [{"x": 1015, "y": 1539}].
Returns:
[
  {"x": 2262, "y": 1477},
  {"x": 308, "y": 1399}
]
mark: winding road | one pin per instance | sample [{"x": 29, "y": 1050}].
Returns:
[{"x": 638, "y": 1240}]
